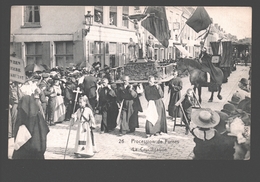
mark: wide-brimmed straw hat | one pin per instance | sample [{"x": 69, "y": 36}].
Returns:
[{"x": 205, "y": 118}]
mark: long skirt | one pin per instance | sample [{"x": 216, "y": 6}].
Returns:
[
  {"x": 84, "y": 140},
  {"x": 60, "y": 110},
  {"x": 160, "y": 125}
]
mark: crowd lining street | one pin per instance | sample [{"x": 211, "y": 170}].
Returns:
[{"x": 111, "y": 146}]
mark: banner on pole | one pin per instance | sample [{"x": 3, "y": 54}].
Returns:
[
  {"x": 157, "y": 24},
  {"x": 17, "y": 72}
]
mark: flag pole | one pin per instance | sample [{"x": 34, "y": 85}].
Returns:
[{"x": 181, "y": 30}]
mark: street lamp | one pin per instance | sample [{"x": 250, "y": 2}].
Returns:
[{"x": 88, "y": 22}]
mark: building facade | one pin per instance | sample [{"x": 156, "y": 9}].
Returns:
[{"x": 55, "y": 36}]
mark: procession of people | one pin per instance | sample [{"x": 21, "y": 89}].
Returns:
[{"x": 51, "y": 97}]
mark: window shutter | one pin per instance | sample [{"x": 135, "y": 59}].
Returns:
[
  {"x": 107, "y": 57},
  {"x": 18, "y": 49},
  {"x": 120, "y": 54},
  {"x": 78, "y": 55},
  {"x": 91, "y": 52},
  {"x": 46, "y": 56}
]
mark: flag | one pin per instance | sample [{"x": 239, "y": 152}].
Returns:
[
  {"x": 200, "y": 20},
  {"x": 157, "y": 24}
]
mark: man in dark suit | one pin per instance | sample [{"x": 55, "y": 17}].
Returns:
[{"x": 89, "y": 88}]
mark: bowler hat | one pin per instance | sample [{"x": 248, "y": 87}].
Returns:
[
  {"x": 235, "y": 99},
  {"x": 205, "y": 118},
  {"x": 228, "y": 109},
  {"x": 244, "y": 81}
]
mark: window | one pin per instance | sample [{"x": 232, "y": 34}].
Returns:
[
  {"x": 64, "y": 53},
  {"x": 31, "y": 15},
  {"x": 98, "y": 14},
  {"x": 98, "y": 51},
  {"x": 33, "y": 52},
  {"x": 155, "y": 54},
  {"x": 113, "y": 15},
  {"x": 162, "y": 55},
  {"x": 125, "y": 13},
  {"x": 112, "y": 53}
]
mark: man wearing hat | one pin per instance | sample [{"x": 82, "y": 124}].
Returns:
[
  {"x": 244, "y": 86},
  {"x": 89, "y": 87},
  {"x": 235, "y": 99},
  {"x": 108, "y": 75},
  {"x": 69, "y": 97},
  {"x": 229, "y": 109},
  {"x": 45, "y": 78},
  {"x": 226, "y": 146},
  {"x": 206, "y": 137}
]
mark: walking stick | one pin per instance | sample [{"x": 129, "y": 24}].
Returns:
[{"x": 77, "y": 92}]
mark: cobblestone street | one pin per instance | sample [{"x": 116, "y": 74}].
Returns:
[{"x": 173, "y": 145}]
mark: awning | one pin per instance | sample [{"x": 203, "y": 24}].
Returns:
[{"x": 183, "y": 50}]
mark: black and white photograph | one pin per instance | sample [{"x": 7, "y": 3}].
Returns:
[{"x": 130, "y": 82}]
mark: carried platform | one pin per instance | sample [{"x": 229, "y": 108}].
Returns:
[{"x": 140, "y": 71}]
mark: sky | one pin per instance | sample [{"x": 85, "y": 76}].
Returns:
[{"x": 234, "y": 20}]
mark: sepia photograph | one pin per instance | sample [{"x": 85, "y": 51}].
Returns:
[{"x": 130, "y": 82}]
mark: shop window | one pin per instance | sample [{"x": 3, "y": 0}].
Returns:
[
  {"x": 98, "y": 14},
  {"x": 64, "y": 53},
  {"x": 113, "y": 15},
  {"x": 31, "y": 15},
  {"x": 33, "y": 53}
]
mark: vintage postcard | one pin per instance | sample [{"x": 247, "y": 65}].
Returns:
[{"x": 130, "y": 82}]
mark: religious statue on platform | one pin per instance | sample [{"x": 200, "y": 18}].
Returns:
[
  {"x": 138, "y": 28},
  {"x": 150, "y": 47},
  {"x": 132, "y": 52}
]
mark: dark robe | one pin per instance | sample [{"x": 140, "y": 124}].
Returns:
[
  {"x": 152, "y": 93},
  {"x": 131, "y": 106},
  {"x": 69, "y": 99},
  {"x": 30, "y": 115},
  {"x": 206, "y": 149},
  {"x": 175, "y": 86},
  {"x": 207, "y": 66},
  {"x": 89, "y": 87},
  {"x": 108, "y": 108},
  {"x": 187, "y": 104},
  {"x": 225, "y": 147}
]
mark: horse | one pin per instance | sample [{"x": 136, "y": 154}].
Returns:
[{"x": 198, "y": 78}]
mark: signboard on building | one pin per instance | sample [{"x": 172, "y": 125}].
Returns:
[{"x": 17, "y": 72}]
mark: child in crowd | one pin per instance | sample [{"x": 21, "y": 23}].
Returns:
[
  {"x": 85, "y": 146},
  {"x": 187, "y": 102}
]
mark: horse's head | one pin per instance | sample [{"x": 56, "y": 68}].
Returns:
[{"x": 180, "y": 66}]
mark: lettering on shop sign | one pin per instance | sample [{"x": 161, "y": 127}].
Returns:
[{"x": 17, "y": 72}]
